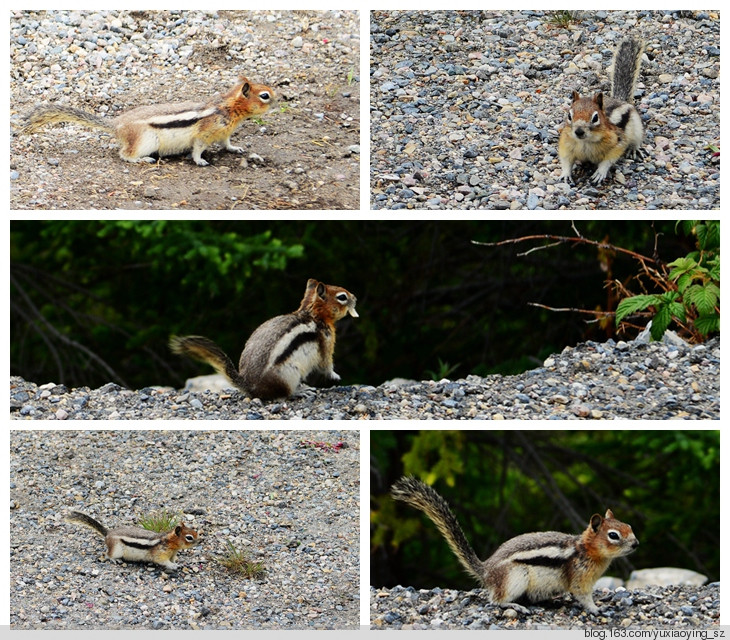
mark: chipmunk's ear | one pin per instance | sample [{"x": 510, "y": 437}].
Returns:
[
  {"x": 243, "y": 79},
  {"x": 598, "y": 99},
  {"x": 609, "y": 514},
  {"x": 321, "y": 290},
  {"x": 596, "y": 522},
  {"x": 575, "y": 96},
  {"x": 309, "y": 294}
]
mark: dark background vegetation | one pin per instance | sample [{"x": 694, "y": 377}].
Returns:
[
  {"x": 666, "y": 484},
  {"x": 93, "y": 302}
]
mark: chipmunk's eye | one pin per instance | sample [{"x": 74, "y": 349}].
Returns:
[
  {"x": 189, "y": 538},
  {"x": 595, "y": 119},
  {"x": 614, "y": 535},
  {"x": 265, "y": 96},
  {"x": 570, "y": 116},
  {"x": 342, "y": 298}
]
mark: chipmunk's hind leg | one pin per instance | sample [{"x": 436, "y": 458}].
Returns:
[{"x": 137, "y": 143}]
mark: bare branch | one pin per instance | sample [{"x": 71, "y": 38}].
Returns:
[
  {"x": 59, "y": 336},
  {"x": 601, "y": 314},
  {"x": 31, "y": 323},
  {"x": 564, "y": 240}
]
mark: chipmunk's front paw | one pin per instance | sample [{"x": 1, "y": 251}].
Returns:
[{"x": 598, "y": 177}]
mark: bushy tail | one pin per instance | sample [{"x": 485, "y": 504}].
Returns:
[
  {"x": 421, "y": 496},
  {"x": 48, "y": 114},
  {"x": 81, "y": 518},
  {"x": 625, "y": 69},
  {"x": 205, "y": 350}
]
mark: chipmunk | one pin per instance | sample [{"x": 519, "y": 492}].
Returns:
[
  {"x": 168, "y": 129},
  {"x": 135, "y": 544},
  {"x": 535, "y": 565},
  {"x": 601, "y": 129},
  {"x": 284, "y": 351}
]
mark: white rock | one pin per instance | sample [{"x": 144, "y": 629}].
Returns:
[{"x": 664, "y": 576}]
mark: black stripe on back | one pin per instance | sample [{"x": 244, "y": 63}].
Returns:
[
  {"x": 624, "y": 119},
  {"x": 174, "y": 124},
  {"x": 140, "y": 545},
  {"x": 625, "y": 115},
  {"x": 299, "y": 340},
  {"x": 544, "y": 561}
]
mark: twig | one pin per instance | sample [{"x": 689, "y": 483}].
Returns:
[
  {"x": 564, "y": 239},
  {"x": 602, "y": 314}
]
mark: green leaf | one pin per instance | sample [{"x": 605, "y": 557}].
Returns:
[
  {"x": 677, "y": 311},
  {"x": 681, "y": 265},
  {"x": 712, "y": 240},
  {"x": 660, "y": 323},
  {"x": 627, "y": 306},
  {"x": 714, "y": 271},
  {"x": 703, "y": 297},
  {"x": 683, "y": 282},
  {"x": 687, "y": 226},
  {"x": 708, "y": 324}
]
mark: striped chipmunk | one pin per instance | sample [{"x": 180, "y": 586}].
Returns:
[
  {"x": 601, "y": 129},
  {"x": 168, "y": 129},
  {"x": 284, "y": 351},
  {"x": 535, "y": 566},
  {"x": 135, "y": 544}
]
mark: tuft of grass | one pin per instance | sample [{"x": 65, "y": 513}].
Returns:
[
  {"x": 161, "y": 521},
  {"x": 563, "y": 18},
  {"x": 238, "y": 562},
  {"x": 444, "y": 370},
  {"x": 350, "y": 76}
]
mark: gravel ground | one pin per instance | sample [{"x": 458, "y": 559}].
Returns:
[
  {"x": 302, "y": 154},
  {"x": 592, "y": 380},
  {"x": 466, "y": 107},
  {"x": 290, "y": 499},
  {"x": 651, "y": 607}
]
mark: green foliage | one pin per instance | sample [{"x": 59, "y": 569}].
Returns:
[
  {"x": 210, "y": 257},
  {"x": 665, "y": 483},
  {"x": 691, "y": 294},
  {"x": 237, "y": 561},
  {"x": 444, "y": 370},
  {"x": 436, "y": 455},
  {"x": 161, "y": 521}
]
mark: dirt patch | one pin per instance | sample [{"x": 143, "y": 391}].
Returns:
[{"x": 303, "y": 154}]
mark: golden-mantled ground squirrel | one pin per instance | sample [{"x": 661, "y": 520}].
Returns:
[
  {"x": 534, "y": 565},
  {"x": 135, "y": 544},
  {"x": 601, "y": 129},
  {"x": 284, "y": 351},
  {"x": 169, "y": 129}
]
